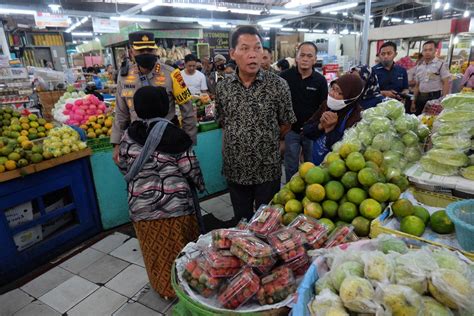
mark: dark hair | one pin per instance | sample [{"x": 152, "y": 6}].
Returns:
[
  {"x": 198, "y": 60},
  {"x": 283, "y": 64},
  {"x": 150, "y": 102},
  {"x": 190, "y": 57},
  {"x": 430, "y": 42},
  {"x": 389, "y": 44},
  {"x": 268, "y": 49},
  {"x": 308, "y": 43},
  {"x": 231, "y": 65},
  {"x": 242, "y": 30},
  {"x": 90, "y": 70}
]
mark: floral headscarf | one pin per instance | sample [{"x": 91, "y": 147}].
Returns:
[{"x": 371, "y": 95}]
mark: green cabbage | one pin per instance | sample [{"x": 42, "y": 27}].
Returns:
[
  {"x": 382, "y": 142},
  {"x": 413, "y": 153},
  {"x": 395, "y": 109},
  {"x": 456, "y": 116}
]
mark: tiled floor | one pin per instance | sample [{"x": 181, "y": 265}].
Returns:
[{"x": 107, "y": 278}]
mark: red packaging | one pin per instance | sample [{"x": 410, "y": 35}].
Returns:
[
  {"x": 240, "y": 289},
  {"x": 198, "y": 279},
  {"x": 276, "y": 286},
  {"x": 266, "y": 220},
  {"x": 288, "y": 243},
  {"x": 221, "y": 263},
  {"x": 299, "y": 266},
  {"x": 243, "y": 224},
  {"x": 340, "y": 235},
  {"x": 252, "y": 251},
  {"x": 314, "y": 234},
  {"x": 222, "y": 238}
]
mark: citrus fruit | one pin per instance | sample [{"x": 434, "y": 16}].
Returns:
[
  {"x": 422, "y": 213},
  {"x": 303, "y": 168},
  {"x": 349, "y": 179},
  {"x": 2, "y": 168},
  {"x": 328, "y": 224},
  {"x": 327, "y": 176},
  {"x": 314, "y": 175},
  {"x": 374, "y": 155},
  {"x": 356, "y": 195},
  {"x": 21, "y": 139},
  {"x": 334, "y": 190},
  {"x": 347, "y": 211},
  {"x": 394, "y": 192},
  {"x": 402, "y": 208},
  {"x": 32, "y": 117},
  {"x": 313, "y": 209},
  {"x": 337, "y": 168},
  {"x": 361, "y": 226},
  {"x": 440, "y": 223},
  {"x": 330, "y": 208},
  {"x": 36, "y": 157},
  {"x": 297, "y": 184},
  {"x": 305, "y": 201},
  {"x": 288, "y": 218},
  {"x": 293, "y": 206},
  {"x": 401, "y": 182},
  {"x": 412, "y": 225},
  {"x": 276, "y": 199},
  {"x": 315, "y": 192},
  {"x": 285, "y": 195},
  {"x": 370, "y": 208},
  {"x": 14, "y": 156},
  {"x": 379, "y": 192},
  {"x": 10, "y": 165},
  {"x": 3, "y": 160},
  {"x": 346, "y": 149},
  {"x": 22, "y": 163},
  {"x": 331, "y": 157},
  {"x": 26, "y": 144},
  {"x": 367, "y": 177},
  {"x": 343, "y": 199},
  {"x": 355, "y": 161}
]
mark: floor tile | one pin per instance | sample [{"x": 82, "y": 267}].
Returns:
[
  {"x": 221, "y": 210},
  {"x": 13, "y": 301},
  {"x": 110, "y": 242},
  {"x": 129, "y": 281},
  {"x": 104, "y": 269},
  {"x": 68, "y": 294},
  {"x": 82, "y": 260},
  {"x": 47, "y": 281},
  {"x": 37, "y": 308},
  {"x": 153, "y": 300},
  {"x": 135, "y": 309},
  {"x": 101, "y": 302},
  {"x": 226, "y": 198},
  {"x": 130, "y": 251}
]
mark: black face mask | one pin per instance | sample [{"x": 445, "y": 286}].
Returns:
[
  {"x": 198, "y": 68},
  {"x": 146, "y": 61},
  {"x": 220, "y": 67}
]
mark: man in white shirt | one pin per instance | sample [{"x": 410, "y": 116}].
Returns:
[{"x": 195, "y": 80}]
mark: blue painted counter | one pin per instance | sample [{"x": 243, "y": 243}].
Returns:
[{"x": 111, "y": 188}]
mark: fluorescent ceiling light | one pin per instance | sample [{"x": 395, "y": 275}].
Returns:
[
  {"x": 437, "y": 5},
  {"x": 85, "y": 42},
  {"x": 274, "y": 26},
  {"x": 97, "y": 39},
  {"x": 84, "y": 20},
  {"x": 355, "y": 33},
  {"x": 74, "y": 42},
  {"x": 330, "y": 31},
  {"x": 227, "y": 26},
  {"x": 472, "y": 43},
  {"x": 345, "y": 13},
  {"x": 269, "y": 21},
  {"x": 317, "y": 31},
  {"x": 386, "y": 18},
  {"x": 408, "y": 21},
  {"x": 280, "y": 11},
  {"x": 81, "y": 34},
  {"x": 298, "y": 3},
  {"x": 333, "y": 13},
  {"x": 54, "y": 7},
  {"x": 447, "y": 5},
  {"x": 396, "y": 20},
  {"x": 338, "y": 7},
  {"x": 302, "y": 30},
  {"x": 151, "y": 5},
  {"x": 129, "y": 19},
  {"x": 287, "y": 29},
  {"x": 245, "y": 11},
  {"x": 466, "y": 14},
  {"x": 16, "y": 11},
  {"x": 266, "y": 28}
]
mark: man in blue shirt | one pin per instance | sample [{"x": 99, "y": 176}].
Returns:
[{"x": 393, "y": 79}]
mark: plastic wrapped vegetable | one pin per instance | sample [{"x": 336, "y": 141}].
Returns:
[
  {"x": 434, "y": 167},
  {"x": 221, "y": 263},
  {"x": 402, "y": 125},
  {"x": 388, "y": 244},
  {"x": 288, "y": 243},
  {"x": 240, "y": 289},
  {"x": 448, "y": 157},
  {"x": 199, "y": 279},
  {"x": 252, "y": 251},
  {"x": 460, "y": 142},
  {"x": 456, "y": 116},
  {"x": 366, "y": 137},
  {"x": 266, "y": 220},
  {"x": 378, "y": 266},
  {"x": 382, "y": 141},
  {"x": 314, "y": 234},
  {"x": 400, "y": 300},
  {"x": 222, "y": 238},
  {"x": 452, "y": 289},
  {"x": 397, "y": 146},
  {"x": 357, "y": 295},
  {"x": 422, "y": 131},
  {"x": 370, "y": 114},
  {"x": 327, "y": 303},
  {"x": 391, "y": 158},
  {"x": 344, "y": 270},
  {"x": 379, "y": 125},
  {"x": 453, "y": 101},
  {"x": 448, "y": 260},
  {"x": 412, "y": 270},
  {"x": 413, "y": 121},
  {"x": 410, "y": 138},
  {"x": 432, "y": 307},
  {"x": 323, "y": 283},
  {"x": 412, "y": 153},
  {"x": 395, "y": 109},
  {"x": 467, "y": 172},
  {"x": 276, "y": 286}
]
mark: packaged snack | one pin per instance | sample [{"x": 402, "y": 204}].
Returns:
[
  {"x": 240, "y": 289},
  {"x": 299, "y": 266},
  {"x": 266, "y": 220},
  {"x": 198, "y": 279},
  {"x": 288, "y": 243},
  {"x": 252, "y": 251},
  {"x": 222, "y": 238},
  {"x": 340, "y": 235},
  {"x": 276, "y": 286},
  {"x": 314, "y": 234},
  {"x": 221, "y": 263}
]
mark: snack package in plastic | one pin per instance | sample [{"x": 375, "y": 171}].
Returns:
[
  {"x": 429, "y": 165},
  {"x": 467, "y": 172},
  {"x": 266, "y": 220},
  {"x": 456, "y": 116},
  {"x": 239, "y": 289},
  {"x": 252, "y": 251},
  {"x": 458, "y": 101},
  {"x": 452, "y": 289},
  {"x": 314, "y": 234},
  {"x": 198, "y": 279},
  {"x": 288, "y": 243},
  {"x": 378, "y": 267},
  {"x": 222, "y": 238},
  {"x": 461, "y": 142},
  {"x": 324, "y": 283},
  {"x": 399, "y": 299},
  {"x": 358, "y": 295},
  {"x": 299, "y": 266},
  {"x": 276, "y": 286},
  {"x": 327, "y": 303},
  {"x": 221, "y": 263},
  {"x": 340, "y": 235},
  {"x": 448, "y": 157}
]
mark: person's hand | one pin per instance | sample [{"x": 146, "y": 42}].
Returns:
[
  {"x": 390, "y": 94},
  {"x": 282, "y": 147},
  {"x": 115, "y": 155},
  {"x": 413, "y": 107},
  {"x": 329, "y": 121}
]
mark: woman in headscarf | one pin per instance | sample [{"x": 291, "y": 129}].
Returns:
[
  {"x": 340, "y": 112},
  {"x": 371, "y": 96}
]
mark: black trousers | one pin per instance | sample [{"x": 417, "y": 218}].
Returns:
[
  {"x": 422, "y": 98},
  {"x": 245, "y": 198}
]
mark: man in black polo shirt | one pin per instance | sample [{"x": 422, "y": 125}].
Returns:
[{"x": 308, "y": 90}]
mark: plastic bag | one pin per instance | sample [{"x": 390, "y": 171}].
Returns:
[
  {"x": 402, "y": 125},
  {"x": 413, "y": 121},
  {"x": 327, "y": 303},
  {"x": 413, "y": 268},
  {"x": 456, "y": 142},
  {"x": 433, "y": 308},
  {"x": 450, "y": 128},
  {"x": 382, "y": 141},
  {"x": 412, "y": 153},
  {"x": 378, "y": 267},
  {"x": 452, "y": 289},
  {"x": 467, "y": 172},
  {"x": 388, "y": 244},
  {"x": 410, "y": 138},
  {"x": 324, "y": 283},
  {"x": 456, "y": 116},
  {"x": 371, "y": 113},
  {"x": 434, "y": 167},
  {"x": 448, "y": 157},
  {"x": 400, "y": 300},
  {"x": 397, "y": 146},
  {"x": 345, "y": 269},
  {"x": 358, "y": 295},
  {"x": 395, "y": 108},
  {"x": 366, "y": 136},
  {"x": 458, "y": 101},
  {"x": 379, "y": 125},
  {"x": 446, "y": 259}
]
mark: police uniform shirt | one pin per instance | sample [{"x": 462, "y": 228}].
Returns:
[
  {"x": 429, "y": 76},
  {"x": 394, "y": 79}
]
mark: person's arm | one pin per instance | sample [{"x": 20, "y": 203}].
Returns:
[
  {"x": 445, "y": 87},
  {"x": 189, "y": 120},
  {"x": 416, "y": 92},
  {"x": 188, "y": 164},
  {"x": 286, "y": 116},
  {"x": 121, "y": 120},
  {"x": 467, "y": 75},
  {"x": 123, "y": 158}
]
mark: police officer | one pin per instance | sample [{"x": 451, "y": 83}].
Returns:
[
  {"x": 432, "y": 79},
  {"x": 393, "y": 79},
  {"x": 148, "y": 70}
]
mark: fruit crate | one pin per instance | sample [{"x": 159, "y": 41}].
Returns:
[{"x": 99, "y": 144}]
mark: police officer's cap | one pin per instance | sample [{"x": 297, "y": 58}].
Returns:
[{"x": 142, "y": 40}]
